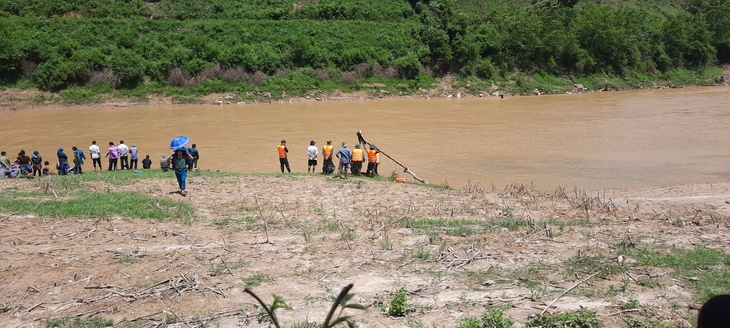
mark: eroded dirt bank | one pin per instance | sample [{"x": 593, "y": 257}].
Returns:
[{"x": 455, "y": 251}]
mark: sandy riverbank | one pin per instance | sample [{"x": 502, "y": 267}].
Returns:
[
  {"x": 455, "y": 251},
  {"x": 14, "y": 99}
]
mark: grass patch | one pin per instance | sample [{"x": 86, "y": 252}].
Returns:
[
  {"x": 493, "y": 318},
  {"x": 305, "y": 324},
  {"x": 68, "y": 322},
  {"x": 221, "y": 268},
  {"x": 88, "y": 204},
  {"x": 633, "y": 322},
  {"x": 460, "y": 227},
  {"x": 582, "y": 318},
  {"x": 561, "y": 224},
  {"x": 255, "y": 280},
  {"x": 705, "y": 269},
  {"x": 588, "y": 264},
  {"x": 125, "y": 177},
  {"x": 479, "y": 277}
]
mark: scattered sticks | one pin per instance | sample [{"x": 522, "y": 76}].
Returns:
[{"x": 568, "y": 290}]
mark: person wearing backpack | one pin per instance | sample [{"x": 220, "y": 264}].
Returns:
[{"x": 37, "y": 161}]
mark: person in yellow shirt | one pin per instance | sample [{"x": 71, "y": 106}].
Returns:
[
  {"x": 328, "y": 167},
  {"x": 283, "y": 160},
  {"x": 47, "y": 170},
  {"x": 357, "y": 158}
]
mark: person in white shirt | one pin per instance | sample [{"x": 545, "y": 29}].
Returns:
[
  {"x": 312, "y": 152},
  {"x": 95, "y": 155},
  {"x": 123, "y": 154}
]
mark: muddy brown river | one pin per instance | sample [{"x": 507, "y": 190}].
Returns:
[{"x": 596, "y": 140}]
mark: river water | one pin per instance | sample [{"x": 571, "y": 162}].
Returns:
[{"x": 595, "y": 140}]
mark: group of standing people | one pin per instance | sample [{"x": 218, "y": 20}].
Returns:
[
  {"x": 118, "y": 155},
  {"x": 349, "y": 160},
  {"x": 127, "y": 156}
]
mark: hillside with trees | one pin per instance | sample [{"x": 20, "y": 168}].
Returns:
[{"x": 197, "y": 47}]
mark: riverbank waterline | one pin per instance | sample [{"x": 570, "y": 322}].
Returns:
[{"x": 596, "y": 140}]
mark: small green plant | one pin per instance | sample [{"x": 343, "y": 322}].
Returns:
[
  {"x": 222, "y": 222},
  {"x": 630, "y": 304},
  {"x": 398, "y": 305},
  {"x": 386, "y": 244},
  {"x": 68, "y": 322},
  {"x": 348, "y": 234},
  {"x": 305, "y": 324},
  {"x": 342, "y": 301},
  {"x": 582, "y": 318},
  {"x": 393, "y": 175},
  {"x": 126, "y": 259},
  {"x": 222, "y": 268},
  {"x": 422, "y": 255},
  {"x": 255, "y": 280},
  {"x": 633, "y": 322},
  {"x": 648, "y": 282},
  {"x": 622, "y": 288},
  {"x": 493, "y": 318},
  {"x": 588, "y": 264}
]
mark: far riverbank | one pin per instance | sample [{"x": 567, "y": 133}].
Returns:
[{"x": 215, "y": 93}]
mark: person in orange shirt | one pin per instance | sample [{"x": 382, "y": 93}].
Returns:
[
  {"x": 357, "y": 158},
  {"x": 328, "y": 167},
  {"x": 283, "y": 160},
  {"x": 373, "y": 159}
]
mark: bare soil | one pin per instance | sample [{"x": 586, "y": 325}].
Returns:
[{"x": 304, "y": 238}]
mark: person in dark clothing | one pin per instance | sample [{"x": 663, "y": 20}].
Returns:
[
  {"x": 714, "y": 313},
  {"x": 179, "y": 162},
  {"x": 63, "y": 166},
  {"x": 24, "y": 162},
  {"x": 147, "y": 163},
  {"x": 327, "y": 167},
  {"x": 37, "y": 162},
  {"x": 283, "y": 160},
  {"x": 133, "y": 157},
  {"x": 78, "y": 160},
  {"x": 193, "y": 151}
]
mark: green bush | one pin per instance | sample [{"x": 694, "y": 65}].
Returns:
[
  {"x": 398, "y": 305},
  {"x": 484, "y": 38},
  {"x": 493, "y": 318},
  {"x": 582, "y": 318}
]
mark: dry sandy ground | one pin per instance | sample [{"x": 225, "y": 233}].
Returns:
[{"x": 309, "y": 237}]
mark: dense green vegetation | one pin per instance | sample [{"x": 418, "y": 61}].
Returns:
[{"x": 239, "y": 45}]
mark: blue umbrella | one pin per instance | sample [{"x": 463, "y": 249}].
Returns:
[{"x": 179, "y": 142}]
